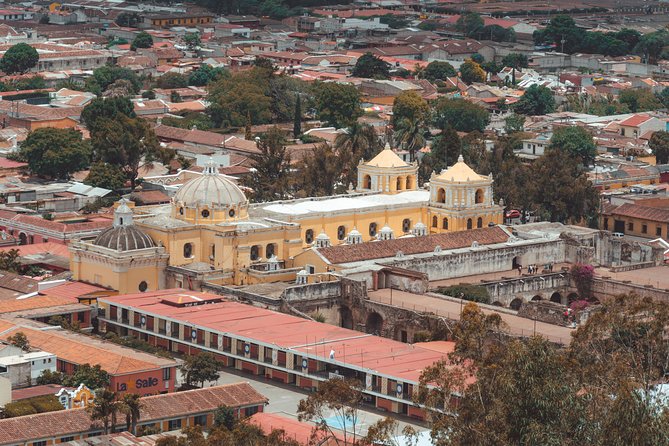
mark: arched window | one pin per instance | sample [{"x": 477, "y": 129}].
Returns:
[
  {"x": 479, "y": 223},
  {"x": 469, "y": 223},
  {"x": 444, "y": 223},
  {"x": 400, "y": 183},
  {"x": 255, "y": 252},
  {"x": 309, "y": 236},
  {"x": 372, "y": 229},
  {"x": 366, "y": 182},
  {"x": 341, "y": 232},
  {"x": 406, "y": 225},
  {"x": 409, "y": 184},
  {"x": 478, "y": 196},
  {"x": 188, "y": 250},
  {"x": 435, "y": 221},
  {"x": 270, "y": 250},
  {"x": 441, "y": 196}
]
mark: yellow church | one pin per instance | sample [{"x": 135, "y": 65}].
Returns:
[{"x": 210, "y": 232}]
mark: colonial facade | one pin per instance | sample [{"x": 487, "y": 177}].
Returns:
[{"x": 210, "y": 232}]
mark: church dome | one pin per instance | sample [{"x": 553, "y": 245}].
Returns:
[
  {"x": 123, "y": 235},
  {"x": 211, "y": 190},
  {"x": 460, "y": 172}
]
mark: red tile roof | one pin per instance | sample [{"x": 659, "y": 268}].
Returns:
[
  {"x": 412, "y": 245},
  {"x": 635, "y": 120},
  {"x": 642, "y": 212},
  {"x": 62, "y": 423},
  {"x": 31, "y": 392}
]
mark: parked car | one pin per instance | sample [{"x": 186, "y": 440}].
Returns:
[{"x": 513, "y": 213}]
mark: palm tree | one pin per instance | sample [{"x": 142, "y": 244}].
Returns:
[
  {"x": 410, "y": 135},
  {"x": 359, "y": 141},
  {"x": 131, "y": 406},
  {"x": 104, "y": 408}
]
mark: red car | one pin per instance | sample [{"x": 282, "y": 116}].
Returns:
[{"x": 513, "y": 213}]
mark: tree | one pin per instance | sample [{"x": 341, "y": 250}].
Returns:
[
  {"x": 562, "y": 194},
  {"x": 410, "y": 134},
  {"x": 576, "y": 141},
  {"x": 471, "y": 72},
  {"x": 10, "y": 261},
  {"x": 149, "y": 94},
  {"x": 358, "y": 142},
  {"x": 233, "y": 98},
  {"x": 652, "y": 44},
  {"x": 93, "y": 377},
  {"x": 514, "y": 123},
  {"x": 437, "y": 70},
  {"x": 107, "y": 176},
  {"x": 55, "y": 153},
  {"x": 371, "y": 66},
  {"x": 200, "y": 368},
  {"x": 104, "y": 408},
  {"x": 515, "y": 60},
  {"x": 206, "y": 74},
  {"x": 126, "y": 142},
  {"x": 444, "y": 152},
  {"x": 106, "y": 108},
  {"x": 659, "y": 144},
  {"x": 460, "y": 114},
  {"x": 639, "y": 99},
  {"x": 131, "y": 406},
  {"x": 20, "y": 340},
  {"x": 172, "y": 80},
  {"x": 192, "y": 41},
  {"x": 497, "y": 33},
  {"x": 142, "y": 40},
  {"x": 337, "y": 104},
  {"x": 103, "y": 77},
  {"x": 342, "y": 397},
  {"x": 49, "y": 377},
  {"x": 270, "y": 178},
  {"x": 409, "y": 105},
  {"x": 537, "y": 100},
  {"x": 19, "y": 58},
  {"x": 121, "y": 88},
  {"x": 470, "y": 24},
  {"x": 561, "y": 32},
  {"x": 321, "y": 172},
  {"x": 297, "y": 118},
  {"x": 128, "y": 19},
  {"x": 225, "y": 417},
  {"x": 393, "y": 21}
]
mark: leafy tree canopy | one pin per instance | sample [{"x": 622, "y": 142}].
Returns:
[
  {"x": 460, "y": 114},
  {"x": 19, "y": 58},
  {"x": 515, "y": 60},
  {"x": 437, "y": 70},
  {"x": 537, "y": 100},
  {"x": 337, "y": 104},
  {"x": 55, "y": 153},
  {"x": 471, "y": 72},
  {"x": 106, "y": 108},
  {"x": 107, "y": 176},
  {"x": 103, "y": 77},
  {"x": 659, "y": 144},
  {"x": 200, "y": 368},
  {"x": 410, "y": 105},
  {"x": 142, "y": 40},
  {"x": 370, "y": 66},
  {"x": 576, "y": 141}
]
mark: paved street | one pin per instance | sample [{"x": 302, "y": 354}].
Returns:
[
  {"x": 284, "y": 399},
  {"x": 450, "y": 309}
]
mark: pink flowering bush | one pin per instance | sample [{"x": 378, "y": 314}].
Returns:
[{"x": 583, "y": 276}]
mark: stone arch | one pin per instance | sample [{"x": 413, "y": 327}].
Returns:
[
  {"x": 479, "y": 222},
  {"x": 556, "y": 297},
  {"x": 374, "y": 323},
  {"x": 399, "y": 183},
  {"x": 537, "y": 297},
  {"x": 469, "y": 223},
  {"x": 515, "y": 263},
  {"x": 571, "y": 297},
  {"x": 478, "y": 196},
  {"x": 409, "y": 182},
  {"x": 444, "y": 223},
  {"x": 441, "y": 195},
  {"x": 435, "y": 221},
  {"x": 23, "y": 238},
  {"x": 345, "y": 317},
  {"x": 366, "y": 182},
  {"x": 516, "y": 303}
]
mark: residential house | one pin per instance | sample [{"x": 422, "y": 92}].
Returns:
[{"x": 641, "y": 126}]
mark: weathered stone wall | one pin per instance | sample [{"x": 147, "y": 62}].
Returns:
[
  {"x": 607, "y": 288},
  {"x": 550, "y": 312},
  {"x": 483, "y": 260},
  {"x": 313, "y": 291},
  {"x": 527, "y": 287}
]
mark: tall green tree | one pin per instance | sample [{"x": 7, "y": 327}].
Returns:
[
  {"x": 515, "y": 60},
  {"x": 639, "y": 99},
  {"x": 321, "y": 172},
  {"x": 652, "y": 44},
  {"x": 104, "y": 408},
  {"x": 271, "y": 178},
  {"x": 55, "y": 153},
  {"x": 357, "y": 142},
  {"x": 470, "y": 24},
  {"x": 19, "y": 58},
  {"x": 103, "y": 77},
  {"x": 410, "y": 135},
  {"x": 192, "y": 41},
  {"x": 659, "y": 144},
  {"x": 370, "y": 66},
  {"x": 537, "y": 100},
  {"x": 142, "y": 40},
  {"x": 200, "y": 368},
  {"x": 438, "y": 70},
  {"x": 471, "y": 72},
  {"x": 444, "y": 152},
  {"x": 93, "y": 377},
  {"x": 127, "y": 143},
  {"x": 20, "y": 340},
  {"x": 410, "y": 105},
  {"x": 105, "y": 175},
  {"x": 462, "y": 115},
  {"x": 297, "y": 118},
  {"x": 337, "y": 104},
  {"x": 131, "y": 406},
  {"x": 576, "y": 141},
  {"x": 106, "y": 108}
]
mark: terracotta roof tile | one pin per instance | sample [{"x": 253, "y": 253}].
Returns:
[
  {"x": 642, "y": 212},
  {"x": 412, "y": 245}
]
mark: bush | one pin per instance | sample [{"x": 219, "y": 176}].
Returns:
[
  {"x": 38, "y": 404},
  {"x": 422, "y": 336},
  {"x": 473, "y": 293}
]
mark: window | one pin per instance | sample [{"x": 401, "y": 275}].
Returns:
[
  {"x": 309, "y": 236},
  {"x": 658, "y": 231},
  {"x": 406, "y": 225},
  {"x": 606, "y": 224},
  {"x": 250, "y": 411},
  {"x": 630, "y": 226},
  {"x": 270, "y": 249},
  {"x": 367, "y": 182},
  {"x": 372, "y": 229},
  {"x": 188, "y": 250},
  {"x": 435, "y": 221},
  {"x": 81, "y": 316},
  {"x": 478, "y": 196},
  {"x": 444, "y": 224},
  {"x": 174, "y": 425},
  {"x": 200, "y": 420},
  {"x": 255, "y": 252},
  {"x": 143, "y": 286},
  {"x": 181, "y": 211},
  {"x": 644, "y": 229},
  {"x": 167, "y": 373},
  {"x": 341, "y": 232},
  {"x": 66, "y": 439},
  {"x": 39, "y": 443},
  {"x": 231, "y": 213},
  {"x": 479, "y": 223},
  {"x": 205, "y": 213},
  {"x": 469, "y": 223},
  {"x": 441, "y": 196}
]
